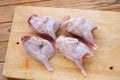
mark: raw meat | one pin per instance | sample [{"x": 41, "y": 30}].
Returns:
[
  {"x": 73, "y": 50},
  {"x": 44, "y": 25},
  {"x": 38, "y": 48},
  {"x": 81, "y": 27}
]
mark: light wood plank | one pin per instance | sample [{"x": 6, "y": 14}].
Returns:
[
  {"x": 13, "y": 2},
  {"x": 5, "y": 31},
  {"x": 3, "y": 49},
  {"x": 88, "y": 2},
  {"x": 1, "y": 69},
  {"x": 7, "y": 9},
  {"x": 109, "y": 5},
  {"x": 20, "y": 65},
  {"x": 1, "y": 75},
  {"x": 4, "y": 37},
  {"x": 7, "y": 14}
]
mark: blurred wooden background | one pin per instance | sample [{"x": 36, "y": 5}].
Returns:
[{"x": 7, "y": 8}]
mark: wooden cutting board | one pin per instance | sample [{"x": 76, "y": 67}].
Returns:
[{"x": 105, "y": 65}]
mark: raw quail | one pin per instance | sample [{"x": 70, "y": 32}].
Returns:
[
  {"x": 38, "y": 48},
  {"x": 44, "y": 25},
  {"x": 81, "y": 27},
  {"x": 73, "y": 50}
]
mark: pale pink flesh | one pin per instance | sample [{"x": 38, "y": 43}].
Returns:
[
  {"x": 89, "y": 38},
  {"x": 81, "y": 27},
  {"x": 44, "y": 25},
  {"x": 73, "y": 50},
  {"x": 38, "y": 48},
  {"x": 80, "y": 65}
]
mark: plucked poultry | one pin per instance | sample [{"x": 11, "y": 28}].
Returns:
[
  {"x": 44, "y": 25},
  {"x": 38, "y": 48},
  {"x": 81, "y": 27},
  {"x": 73, "y": 50}
]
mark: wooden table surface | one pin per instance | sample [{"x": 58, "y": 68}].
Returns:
[{"x": 7, "y": 8}]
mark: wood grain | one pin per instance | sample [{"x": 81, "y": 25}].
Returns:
[
  {"x": 110, "y": 5},
  {"x": 4, "y": 36},
  {"x": 27, "y": 68},
  {"x": 87, "y": 2},
  {"x": 2, "y": 77},
  {"x": 1, "y": 68},
  {"x": 15, "y": 2},
  {"x": 7, "y": 8}
]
